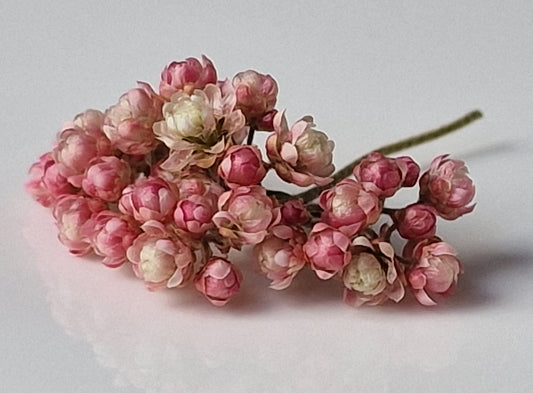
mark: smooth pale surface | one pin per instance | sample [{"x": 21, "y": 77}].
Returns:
[{"x": 370, "y": 73}]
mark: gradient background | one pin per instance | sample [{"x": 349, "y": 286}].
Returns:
[{"x": 370, "y": 72}]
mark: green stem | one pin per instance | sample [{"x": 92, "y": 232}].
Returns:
[{"x": 427, "y": 136}]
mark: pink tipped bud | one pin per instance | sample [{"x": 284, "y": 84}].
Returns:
[
  {"x": 242, "y": 166},
  {"x": 46, "y": 183},
  {"x": 71, "y": 212},
  {"x": 327, "y": 250},
  {"x": 186, "y": 76},
  {"x": 280, "y": 255},
  {"x": 77, "y": 146},
  {"x": 256, "y": 94},
  {"x": 194, "y": 214},
  {"x": 381, "y": 175},
  {"x": 435, "y": 271},
  {"x": 348, "y": 207},
  {"x": 161, "y": 258},
  {"x": 412, "y": 170},
  {"x": 111, "y": 234},
  {"x": 245, "y": 215},
  {"x": 218, "y": 281},
  {"x": 149, "y": 199},
  {"x": 447, "y": 187},
  {"x": 416, "y": 221},
  {"x": 128, "y": 124},
  {"x": 106, "y": 177},
  {"x": 294, "y": 212},
  {"x": 301, "y": 155}
]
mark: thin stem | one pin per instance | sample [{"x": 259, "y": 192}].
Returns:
[
  {"x": 427, "y": 136},
  {"x": 250, "y": 135}
]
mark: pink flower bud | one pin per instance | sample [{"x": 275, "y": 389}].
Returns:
[
  {"x": 55, "y": 183},
  {"x": 128, "y": 124},
  {"x": 245, "y": 215},
  {"x": 77, "y": 146},
  {"x": 373, "y": 276},
  {"x": 218, "y": 281},
  {"x": 34, "y": 186},
  {"x": 91, "y": 121},
  {"x": 111, "y": 234},
  {"x": 192, "y": 182},
  {"x": 187, "y": 76},
  {"x": 71, "y": 212},
  {"x": 447, "y": 187},
  {"x": 194, "y": 213},
  {"x": 149, "y": 199},
  {"x": 383, "y": 175},
  {"x": 435, "y": 271},
  {"x": 301, "y": 155},
  {"x": 199, "y": 196},
  {"x": 327, "y": 250},
  {"x": 46, "y": 184},
  {"x": 294, "y": 212},
  {"x": 348, "y": 207},
  {"x": 242, "y": 166},
  {"x": 161, "y": 258},
  {"x": 280, "y": 255},
  {"x": 412, "y": 172},
  {"x": 106, "y": 177},
  {"x": 256, "y": 94},
  {"x": 417, "y": 221}
]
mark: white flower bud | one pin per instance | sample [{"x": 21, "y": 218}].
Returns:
[{"x": 364, "y": 274}]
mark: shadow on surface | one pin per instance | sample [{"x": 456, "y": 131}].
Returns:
[
  {"x": 492, "y": 150},
  {"x": 484, "y": 284},
  {"x": 487, "y": 275}
]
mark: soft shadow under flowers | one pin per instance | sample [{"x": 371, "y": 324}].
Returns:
[{"x": 488, "y": 277}]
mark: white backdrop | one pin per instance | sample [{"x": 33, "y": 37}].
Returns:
[{"x": 370, "y": 72}]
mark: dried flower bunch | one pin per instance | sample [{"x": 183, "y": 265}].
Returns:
[{"x": 169, "y": 182}]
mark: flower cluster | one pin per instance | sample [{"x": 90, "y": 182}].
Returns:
[{"x": 168, "y": 182}]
